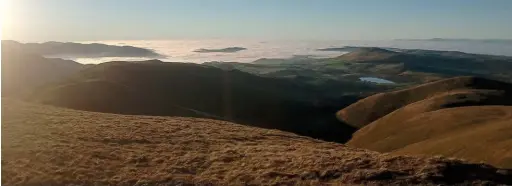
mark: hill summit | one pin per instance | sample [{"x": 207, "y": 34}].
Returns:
[{"x": 368, "y": 54}]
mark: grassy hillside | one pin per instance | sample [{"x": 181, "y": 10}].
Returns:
[
  {"x": 453, "y": 92},
  {"x": 45, "y": 145},
  {"x": 475, "y": 133},
  {"x": 460, "y": 117},
  {"x": 192, "y": 90}
]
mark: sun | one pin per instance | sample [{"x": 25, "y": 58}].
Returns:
[
  {"x": 6, "y": 7},
  {"x": 7, "y": 12}
]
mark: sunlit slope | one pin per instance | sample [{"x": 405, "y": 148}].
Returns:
[
  {"x": 477, "y": 133},
  {"x": 460, "y": 117},
  {"x": 453, "y": 92}
]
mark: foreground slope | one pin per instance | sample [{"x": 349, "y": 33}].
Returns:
[
  {"x": 55, "y": 146},
  {"x": 453, "y": 92}
]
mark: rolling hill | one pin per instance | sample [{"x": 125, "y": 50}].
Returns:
[
  {"x": 435, "y": 63},
  {"x": 369, "y": 54},
  {"x": 193, "y": 90},
  {"x": 46, "y": 145},
  {"x": 475, "y": 133},
  {"x": 452, "y": 92},
  {"x": 462, "y": 117}
]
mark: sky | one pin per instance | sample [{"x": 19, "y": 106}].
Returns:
[{"x": 90, "y": 20}]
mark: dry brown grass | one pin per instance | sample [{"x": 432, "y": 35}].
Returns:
[
  {"x": 44, "y": 145},
  {"x": 478, "y": 133},
  {"x": 456, "y": 117},
  {"x": 453, "y": 92}
]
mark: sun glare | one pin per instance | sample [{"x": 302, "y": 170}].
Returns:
[
  {"x": 6, "y": 7},
  {"x": 7, "y": 13}
]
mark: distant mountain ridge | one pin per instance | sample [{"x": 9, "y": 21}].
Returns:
[
  {"x": 79, "y": 50},
  {"x": 220, "y": 50},
  {"x": 461, "y": 40}
]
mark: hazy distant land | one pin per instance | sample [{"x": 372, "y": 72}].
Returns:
[
  {"x": 79, "y": 50},
  {"x": 200, "y": 51},
  {"x": 461, "y": 40},
  {"x": 222, "y": 50}
]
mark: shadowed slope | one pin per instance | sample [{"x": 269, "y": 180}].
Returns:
[
  {"x": 192, "y": 90},
  {"x": 22, "y": 72},
  {"x": 453, "y": 92},
  {"x": 45, "y": 145}
]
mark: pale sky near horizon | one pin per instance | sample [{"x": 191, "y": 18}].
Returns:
[{"x": 88, "y": 20}]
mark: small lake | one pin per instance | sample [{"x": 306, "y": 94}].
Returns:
[{"x": 376, "y": 80}]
